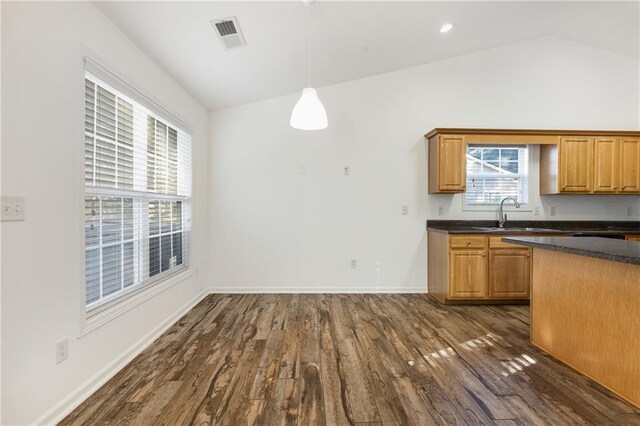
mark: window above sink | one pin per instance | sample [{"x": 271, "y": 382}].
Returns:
[{"x": 495, "y": 172}]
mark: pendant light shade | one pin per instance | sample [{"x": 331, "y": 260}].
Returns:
[{"x": 309, "y": 113}]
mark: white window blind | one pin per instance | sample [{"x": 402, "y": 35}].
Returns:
[
  {"x": 495, "y": 172},
  {"x": 137, "y": 193}
]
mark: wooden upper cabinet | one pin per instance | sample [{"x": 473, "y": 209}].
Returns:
[
  {"x": 575, "y": 164},
  {"x": 605, "y": 165},
  {"x": 629, "y": 165},
  {"x": 447, "y": 164},
  {"x": 571, "y": 161}
]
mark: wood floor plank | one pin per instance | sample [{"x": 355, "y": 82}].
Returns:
[
  {"x": 327, "y": 359},
  {"x": 311, "y": 399}
]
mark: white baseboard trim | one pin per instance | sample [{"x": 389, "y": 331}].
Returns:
[
  {"x": 78, "y": 396},
  {"x": 332, "y": 290}
]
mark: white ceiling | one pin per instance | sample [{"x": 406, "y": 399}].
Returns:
[{"x": 350, "y": 39}]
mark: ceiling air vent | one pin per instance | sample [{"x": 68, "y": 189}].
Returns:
[{"x": 229, "y": 32}]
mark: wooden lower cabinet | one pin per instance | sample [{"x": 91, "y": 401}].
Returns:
[
  {"x": 477, "y": 269},
  {"x": 632, "y": 237},
  {"x": 509, "y": 273},
  {"x": 468, "y": 274}
]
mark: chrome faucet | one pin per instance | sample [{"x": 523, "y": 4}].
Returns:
[{"x": 503, "y": 217}]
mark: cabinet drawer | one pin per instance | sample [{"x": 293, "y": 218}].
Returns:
[
  {"x": 496, "y": 242},
  {"x": 467, "y": 241}
]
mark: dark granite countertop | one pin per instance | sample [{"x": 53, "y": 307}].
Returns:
[
  {"x": 547, "y": 227},
  {"x": 602, "y": 248}
]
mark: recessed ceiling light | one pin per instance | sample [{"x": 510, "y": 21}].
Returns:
[{"x": 446, "y": 28}]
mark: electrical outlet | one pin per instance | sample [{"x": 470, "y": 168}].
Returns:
[
  {"x": 552, "y": 211},
  {"x": 62, "y": 350},
  {"x": 354, "y": 263},
  {"x": 536, "y": 211},
  {"x": 302, "y": 170},
  {"x": 405, "y": 210},
  {"x": 629, "y": 211},
  {"x": 347, "y": 171},
  {"x": 440, "y": 210},
  {"x": 12, "y": 209}
]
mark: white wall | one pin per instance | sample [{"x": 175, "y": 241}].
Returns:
[
  {"x": 272, "y": 228},
  {"x": 42, "y": 95}
]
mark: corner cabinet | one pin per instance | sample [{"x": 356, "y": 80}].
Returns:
[
  {"x": 591, "y": 165},
  {"x": 477, "y": 269},
  {"x": 447, "y": 164}
]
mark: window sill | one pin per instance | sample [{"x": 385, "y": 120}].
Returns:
[
  {"x": 496, "y": 208},
  {"x": 94, "y": 321}
]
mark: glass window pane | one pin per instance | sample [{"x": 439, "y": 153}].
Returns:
[
  {"x": 165, "y": 217},
  {"x": 474, "y": 152},
  {"x": 176, "y": 217},
  {"x": 89, "y": 153},
  {"x": 105, "y": 163},
  {"x": 89, "y": 105},
  {"x": 127, "y": 211},
  {"x": 92, "y": 275},
  {"x": 509, "y": 154},
  {"x": 490, "y": 154},
  {"x": 490, "y": 178},
  {"x": 154, "y": 217},
  {"x": 91, "y": 221},
  {"x": 106, "y": 114},
  {"x": 165, "y": 246},
  {"x": 154, "y": 256},
  {"x": 509, "y": 166},
  {"x": 151, "y": 154},
  {"x": 177, "y": 248},
  {"x": 111, "y": 220},
  {"x": 111, "y": 269},
  {"x": 128, "y": 261}
]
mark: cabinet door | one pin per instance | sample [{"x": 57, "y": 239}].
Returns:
[
  {"x": 468, "y": 274},
  {"x": 452, "y": 163},
  {"x": 606, "y": 165},
  {"x": 509, "y": 273},
  {"x": 575, "y": 164},
  {"x": 629, "y": 165}
]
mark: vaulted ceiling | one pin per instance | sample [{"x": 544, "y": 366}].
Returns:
[{"x": 350, "y": 40}]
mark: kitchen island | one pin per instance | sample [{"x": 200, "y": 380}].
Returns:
[{"x": 585, "y": 307}]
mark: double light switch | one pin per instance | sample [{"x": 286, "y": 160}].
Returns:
[{"x": 12, "y": 209}]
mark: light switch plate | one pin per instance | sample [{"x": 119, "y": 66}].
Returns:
[{"x": 12, "y": 209}]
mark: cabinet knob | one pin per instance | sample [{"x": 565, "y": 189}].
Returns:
[
  {"x": 484, "y": 254},
  {"x": 528, "y": 254},
  {"x": 615, "y": 187},
  {"x": 468, "y": 242}
]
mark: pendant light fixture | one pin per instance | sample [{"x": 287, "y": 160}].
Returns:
[{"x": 308, "y": 113}]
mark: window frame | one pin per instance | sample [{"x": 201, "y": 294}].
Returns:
[
  {"x": 91, "y": 319},
  {"x": 491, "y": 207}
]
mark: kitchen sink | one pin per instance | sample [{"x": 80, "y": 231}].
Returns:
[{"x": 515, "y": 230}]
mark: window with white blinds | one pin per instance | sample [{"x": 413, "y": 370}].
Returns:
[
  {"x": 495, "y": 172},
  {"x": 137, "y": 194}
]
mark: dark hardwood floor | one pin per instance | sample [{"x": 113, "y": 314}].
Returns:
[{"x": 349, "y": 359}]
